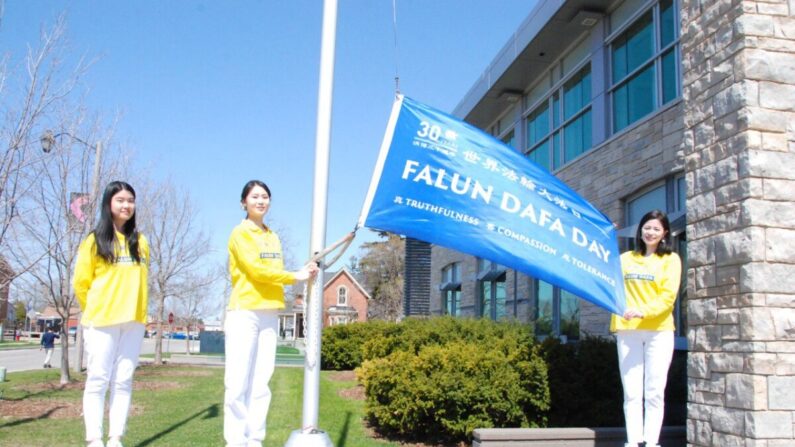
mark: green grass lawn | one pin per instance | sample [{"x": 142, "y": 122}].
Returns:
[{"x": 173, "y": 406}]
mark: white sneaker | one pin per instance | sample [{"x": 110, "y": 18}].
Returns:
[
  {"x": 96, "y": 443},
  {"x": 114, "y": 442}
]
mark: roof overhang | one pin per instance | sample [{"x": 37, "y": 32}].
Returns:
[{"x": 550, "y": 29}]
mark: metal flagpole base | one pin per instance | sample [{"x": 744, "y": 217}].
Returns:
[{"x": 314, "y": 438}]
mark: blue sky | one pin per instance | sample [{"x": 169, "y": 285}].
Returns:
[{"x": 213, "y": 94}]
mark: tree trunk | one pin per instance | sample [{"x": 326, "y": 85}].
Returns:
[
  {"x": 65, "y": 376},
  {"x": 159, "y": 335}
]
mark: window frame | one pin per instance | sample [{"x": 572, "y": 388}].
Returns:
[
  {"x": 655, "y": 61},
  {"x": 342, "y": 296},
  {"x": 492, "y": 274},
  {"x": 557, "y": 122},
  {"x": 557, "y": 299},
  {"x": 451, "y": 289}
]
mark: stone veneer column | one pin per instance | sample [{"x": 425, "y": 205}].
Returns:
[{"x": 738, "y": 70}]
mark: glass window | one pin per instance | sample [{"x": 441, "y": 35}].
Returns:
[
  {"x": 577, "y": 93},
  {"x": 570, "y": 133},
  {"x": 491, "y": 285},
  {"x": 644, "y": 65},
  {"x": 634, "y": 47},
  {"x": 452, "y": 300},
  {"x": 634, "y": 99},
  {"x": 509, "y": 139},
  {"x": 342, "y": 296},
  {"x": 544, "y": 305},
  {"x": 451, "y": 290},
  {"x": 556, "y": 150},
  {"x": 669, "y": 76},
  {"x": 538, "y": 125},
  {"x": 577, "y": 135},
  {"x": 540, "y": 156},
  {"x": 667, "y": 26},
  {"x": 557, "y": 312},
  {"x": 681, "y": 193},
  {"x": 652, "y": 200},
  {"x": 569, "y": 315}
]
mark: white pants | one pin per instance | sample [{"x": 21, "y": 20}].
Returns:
[
  {"x": 250, "y": 343},
  {"x": 48, "y": 355},
  {"x": 644, "y": 358},
  {"x": 112, "y": 358}
]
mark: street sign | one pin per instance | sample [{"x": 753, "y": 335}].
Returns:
[{"x": 171, "y": 318}]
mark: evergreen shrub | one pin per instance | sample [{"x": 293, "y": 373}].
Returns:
[
  {"x": 441, "y": 378},
  {"x": 341, "y": 345}
]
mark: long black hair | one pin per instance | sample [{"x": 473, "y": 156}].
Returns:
[
  {"x": 664, "y": 247},
  {"x": 105, "y": 233}
]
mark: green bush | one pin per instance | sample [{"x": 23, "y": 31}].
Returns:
[
  {"x": 346, "y": 346},
  {"x": 413, "y": 334},
  {"x": 487, "y": 375},
  {"x": 341, "y": 346}
]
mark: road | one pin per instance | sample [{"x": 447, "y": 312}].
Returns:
[{"x": 32, "y": 358}]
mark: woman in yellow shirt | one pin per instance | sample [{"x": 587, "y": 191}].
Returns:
[
  {"x": 110, "y": 286},
  {"x": 258, "y": 278},
  {"x": 645, "y": 334}
]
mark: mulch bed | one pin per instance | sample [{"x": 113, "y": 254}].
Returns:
[
  {"x": 342, "y": 376},
  {"x": 355, "y": 393},
  {"x": 137, "y": 385}
]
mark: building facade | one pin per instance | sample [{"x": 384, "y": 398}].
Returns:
[
  {"x": 595, "y": 97},
  {"x": 682, "y": 105},
  {"x": 344, "y": 299}
]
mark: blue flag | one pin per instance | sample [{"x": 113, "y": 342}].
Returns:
[{"x": 443, "y": 181}]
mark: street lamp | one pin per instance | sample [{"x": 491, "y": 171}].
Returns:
[{"x": 47, "y": 140}]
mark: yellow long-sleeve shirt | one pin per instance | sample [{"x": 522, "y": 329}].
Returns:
[
  {"x": 650, "y": 285},
  {"x": 111, "y": 293},
  {"x": 257, "y": 268}
]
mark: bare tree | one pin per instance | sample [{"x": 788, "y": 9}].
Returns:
[
  {"x": 57, "y": 229},
  {"x": 28, "y": 96},
  {"x": 179, "y": 251},
  {"x": 35, "y": 233},
  {"x": 381, "y": 269},
  {"x": 198, "y": 299}
]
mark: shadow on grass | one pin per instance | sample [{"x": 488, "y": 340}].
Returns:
[
  {"x": 44, "y": 415},
  {"x": 39, "y": 393},
  {"x": 209, "y": 413},
  {"x": 344, "y": 432}
]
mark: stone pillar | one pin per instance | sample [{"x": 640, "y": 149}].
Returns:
[{"x": 738, "y": 72}]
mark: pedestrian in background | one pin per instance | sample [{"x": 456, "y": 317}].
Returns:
[
  {"x": 110, "y": 282},
  {"x": 252, "y": 318},
  {"x": 48, "y": 344},
  {"x": 645, "y": 334}
]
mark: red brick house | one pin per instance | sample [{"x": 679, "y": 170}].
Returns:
[
  {"x": 49, "y": 317},
  {"x": 344, "y": 299}
]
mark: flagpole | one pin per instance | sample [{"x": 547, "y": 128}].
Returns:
[{"x": 309, "y": 435}]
